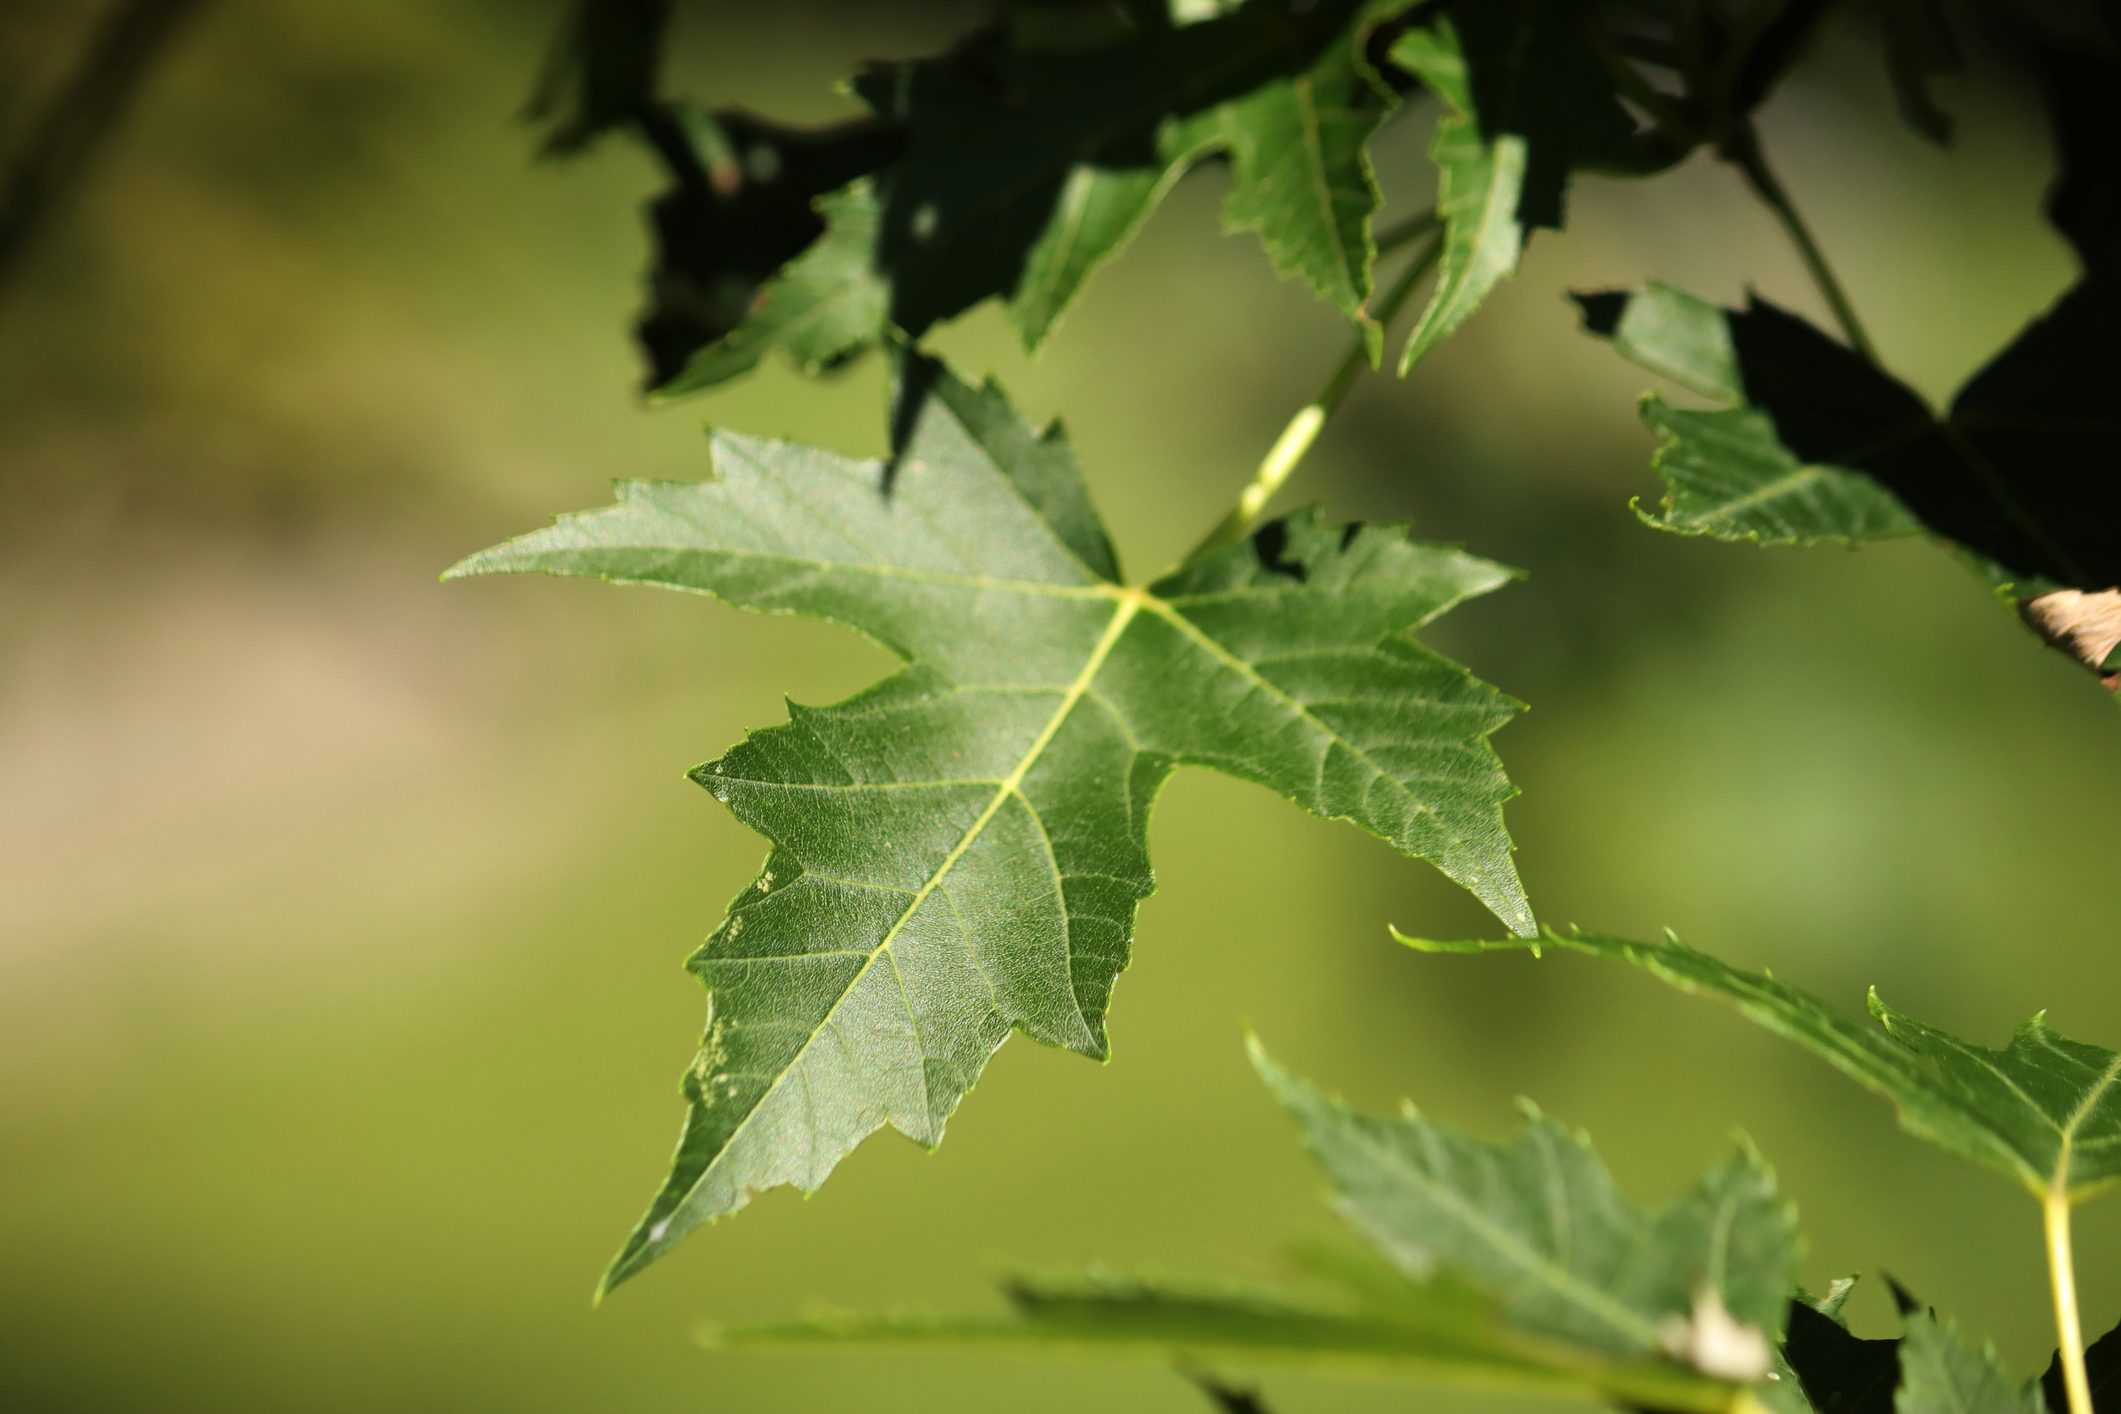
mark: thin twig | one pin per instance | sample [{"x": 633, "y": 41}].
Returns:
[
  {"x": 81, "y": 117},
  {"x": 1745, "y": 152}
]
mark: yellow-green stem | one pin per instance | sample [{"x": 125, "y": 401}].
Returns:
[
  {"x": 2062, "y": 1276},
  {"x": 1408, "y": 231},
  {"x": 1302, "y": 430}
]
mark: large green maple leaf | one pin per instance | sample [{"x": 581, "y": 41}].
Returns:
[{"x": 959, "y": 850}]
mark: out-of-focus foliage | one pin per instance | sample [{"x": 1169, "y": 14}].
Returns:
[
  {"x": 1515, "y": 1264},
  {"x": 335, "y": 903},
  {"x": 2043, "y": 1111}
]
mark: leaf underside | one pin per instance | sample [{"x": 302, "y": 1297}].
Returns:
[
  {"x": 958, "y": 851},
  {"x": 2045, "y": 1110}
]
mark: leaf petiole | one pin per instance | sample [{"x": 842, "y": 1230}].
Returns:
[
  {"x": 1744, "y": 151},
  {"x": 2062, "y": 1277},
  {"x": 1302, "y": 429},
  {"x": 1407, "y": 232}
]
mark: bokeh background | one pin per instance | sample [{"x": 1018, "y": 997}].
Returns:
[{"x": 341, "y": 911}]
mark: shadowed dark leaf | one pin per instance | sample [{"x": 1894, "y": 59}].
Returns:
[
  {"x": 602, "y": 72},
  {"x": 2102, "y": 1366},
  {"x": 1840, "y": 1373},
  {"x": 1812, "y": 444}
]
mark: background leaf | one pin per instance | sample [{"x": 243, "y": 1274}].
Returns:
[
  {"x": 1815, "y": 445},
  {"x": 1528, "y": 103},
  {"x": 1446, "y": 1335},
  {"x": 1516, "y": 1265},
  {"x": 959, "y": 850},
  {"x": 2013, "y": 475},
  {"x": 1940, "y": 1374},
  {"x": 1025, "y": 167},
  {"x": 756, "y": 247},
  {"x": 1538, "y": 1224},
  {"x": 2044, "y": 1110},
  {"x": 821, "y": 308}
]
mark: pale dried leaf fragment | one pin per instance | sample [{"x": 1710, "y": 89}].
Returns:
[
  {"x": 2085, "y": 626},
  {"x": 1717, "y": 1343}
]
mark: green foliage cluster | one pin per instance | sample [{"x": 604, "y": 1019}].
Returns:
[{"x": 958, "y": 851}]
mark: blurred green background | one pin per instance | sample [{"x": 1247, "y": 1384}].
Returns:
[{"x": 341, "y": 912}]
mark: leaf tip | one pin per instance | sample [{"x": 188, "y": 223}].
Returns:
[{"x": 469, "y": 567}]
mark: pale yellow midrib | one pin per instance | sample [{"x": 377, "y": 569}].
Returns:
[
  {"x": 2066, "y": 1154},
  {"x": 1128, "y": 602},
  {"x": 1560, "y": 1279}
]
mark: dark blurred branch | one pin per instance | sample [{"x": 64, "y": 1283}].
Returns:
[
  {"x": 603, "y": 71},
  {"x": 63, "y": 139}
]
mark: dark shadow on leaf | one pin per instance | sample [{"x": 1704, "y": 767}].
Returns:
[{"x": 1272, "y": 548}]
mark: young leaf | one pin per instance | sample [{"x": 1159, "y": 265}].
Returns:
[
  {"x": 1527, "y": 103},
  {"x": 1025, "y": 168},
  {"x": 1537, "y": 1224},
  {"x": 2044, "y": 1110},
  {"x": 959, "y": 850},
  {"x": 1940, "y": 1374},
  {"x": 1816, "y": 445}
]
